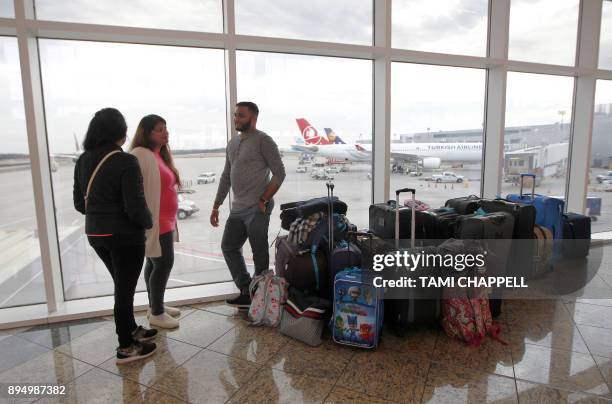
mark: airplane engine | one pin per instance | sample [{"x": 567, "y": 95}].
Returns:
[{"x": 431, "y": 162}]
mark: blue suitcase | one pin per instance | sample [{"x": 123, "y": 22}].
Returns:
[
  {"x": 358, "y": 308},
  {"x": 549, "y": 211}
]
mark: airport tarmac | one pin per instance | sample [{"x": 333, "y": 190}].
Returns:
[{"x": 198, "y": 255}]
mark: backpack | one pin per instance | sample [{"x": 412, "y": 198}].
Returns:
[
  {"x": 268, "y": 295},
  {"x": 466, "y": 315}
]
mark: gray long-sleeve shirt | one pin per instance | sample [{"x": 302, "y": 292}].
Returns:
[{"x": 249, "y": 160}]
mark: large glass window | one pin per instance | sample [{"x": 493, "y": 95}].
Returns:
[
  {"x": 306, "y": 102},
  {"x": 436, "y": 124},
  {"x": 7, "y": 10},
  {"x": 599, "y": 201},
  {"x": 605, "y": 39},
  {"x": 183, "y": 85},
  {"x": 21, "y": 278},
  {"x": 348, "y": 21},
  {"x": 187, "y": 15},
  {"x": 544, "y": 31},
  {"x": 460, "y": 27},
  {"x": 536, "y": 141}
]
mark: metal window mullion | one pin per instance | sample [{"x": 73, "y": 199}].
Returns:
[
  {"x": 39, "y": 156},
  {"x": 231, "y": 89},
  {"x": 495, "y": 99},
  {"x": 581, "y": 130},
  {"x": 381, "y": 128}
]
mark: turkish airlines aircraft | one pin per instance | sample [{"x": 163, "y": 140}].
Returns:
[{"x": 429, "y": 155}]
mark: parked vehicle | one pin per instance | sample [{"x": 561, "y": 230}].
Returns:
[
  {"x": 186, "y": 208},
  {"x": 332, "y": 170},
  {"x": 320, "y": 174},
  {"x": 604, "y": 177},
  {"x": 447, "y": 176},
  {"x": 206, "y": 178},
  {"x": 301, "y": 169}
]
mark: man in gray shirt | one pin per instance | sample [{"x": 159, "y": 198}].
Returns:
[{"x": 251, "y": 156}]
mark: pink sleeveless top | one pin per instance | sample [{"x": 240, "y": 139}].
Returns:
[{"x": 168, "y": 203}]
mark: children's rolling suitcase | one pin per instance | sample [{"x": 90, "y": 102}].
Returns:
[
  {"x": 411, "y": 305},
  {"x": 358, "y": 308},
  {"x": 549, "y": 211},
  {"x": 576, "y": 235}
]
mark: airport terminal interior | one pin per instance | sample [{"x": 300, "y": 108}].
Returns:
[{"x": 450, "y": 98}]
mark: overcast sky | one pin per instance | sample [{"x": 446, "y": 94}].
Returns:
[{"x": 186, "y": 85}]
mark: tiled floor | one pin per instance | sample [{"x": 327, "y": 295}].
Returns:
[{"x": 558, "y": 351}]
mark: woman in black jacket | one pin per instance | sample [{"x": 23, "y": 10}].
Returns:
[{"x": 116, "y": 216}]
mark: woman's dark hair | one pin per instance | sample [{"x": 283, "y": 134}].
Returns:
[
  {"x": 106, "y": 127},
  {"x": 142, "y": 138}
]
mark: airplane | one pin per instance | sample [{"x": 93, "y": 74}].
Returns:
[
  {"x": 70, "y": 156},
  {"x": 428, "y": 155},
  {"x": 332, "y": 137}
]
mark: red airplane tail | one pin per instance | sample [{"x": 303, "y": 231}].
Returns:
[{"x": 309, "y": 133}]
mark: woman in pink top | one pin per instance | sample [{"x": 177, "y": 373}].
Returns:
[{"x": 161, "y": 180}]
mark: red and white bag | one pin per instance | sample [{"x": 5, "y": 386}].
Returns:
[
  {"x": 268, "y": 295},
  {"x": 466, "y": 315}
]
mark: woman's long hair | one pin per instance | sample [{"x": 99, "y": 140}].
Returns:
[
  {"x": 142, "y": 138},
  {"x": 106, "y": 127}
]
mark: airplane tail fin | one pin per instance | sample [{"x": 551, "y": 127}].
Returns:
[
  {"x": 332, "y": 137},
  {"x": 76, "y": 143},
  {"x": 310, "y": 133}
]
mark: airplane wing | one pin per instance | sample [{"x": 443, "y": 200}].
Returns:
[{"x": 305, "y": 148}]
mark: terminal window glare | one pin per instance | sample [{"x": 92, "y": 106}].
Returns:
[
  {"x": 7, "y": 10},
  {"x": 21, "y": 278},
  {"x": 334, "y": 97},
  {"x": 346, "y": 21},
  {"x": 599, "y": 199},
  {"x": 186, "y": 87},
  {"x": 186, "y": 15},
  {"x": 536, "y": 140},
  {"x": 459, "y": 27},
  {"x": 544, "y": 31},
  {"x": 605, "y": 40}
]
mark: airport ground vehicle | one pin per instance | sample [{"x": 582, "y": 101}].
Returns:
[
  {"x": 447, "y": 176},
  {"x": 206, "y": 178},
  {"x": 604, "y": 177},
  {"x": 301, "y": 169},
  {"x": 333, "y": 170},
  {"x": 186, "y": 207},
  {"x": 320, "y": 174}
]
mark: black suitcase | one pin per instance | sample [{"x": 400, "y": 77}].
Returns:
[
  {"x": 443, "y": 225},
  {"x": 465, "y": 205},
  {"x": 497, "y": 229},
  {"x": 523, "y": 254},
  {"x": 576, "y": 235},
  {"x": 411, "y": 305},
  {"x": 382, "y": 221}
]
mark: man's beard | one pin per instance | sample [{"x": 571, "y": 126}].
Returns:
[{"x": 245, "y": 127}]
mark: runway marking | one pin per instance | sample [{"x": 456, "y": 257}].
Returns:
[
  {"x": 20, "y": 289},
  {"x": 181, "y": 281}
]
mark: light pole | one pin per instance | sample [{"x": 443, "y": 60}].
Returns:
[{"x": 562, "y": 113}]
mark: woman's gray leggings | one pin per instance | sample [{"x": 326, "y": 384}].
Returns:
[{"x": 157, "y": 271}]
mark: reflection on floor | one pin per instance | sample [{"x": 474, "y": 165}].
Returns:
[{"x": 559, "y": 350}]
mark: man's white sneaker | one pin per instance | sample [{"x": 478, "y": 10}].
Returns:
[{"x": 164, "y": 320}]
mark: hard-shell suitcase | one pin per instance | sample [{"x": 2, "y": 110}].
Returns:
[
  {"x": 549, "y": 211},
  {"x": 411, "y": 305},
  {"x": 383, "y": 216},
  {"x": 521, "y": 262},
  {"x": 358, "y": 308},
  {"x": 464, "y": 205},
  {"x": 496, "y": 229},
  {"x": 576, "y": 235}
]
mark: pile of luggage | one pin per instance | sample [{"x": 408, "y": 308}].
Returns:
[{"x": 324, "y": 267}]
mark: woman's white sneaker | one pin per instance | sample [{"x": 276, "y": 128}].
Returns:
[
  {"x": 173, "y": 311},
  {"x": 164, "y": 320}
]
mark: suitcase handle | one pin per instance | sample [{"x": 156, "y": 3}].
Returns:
[
  {"x": 412, "y": 216},
  {"x": 532, "y": 184}
]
